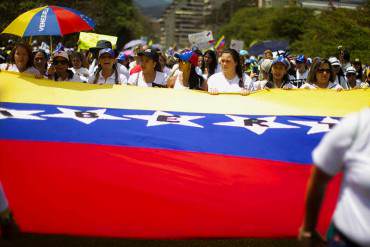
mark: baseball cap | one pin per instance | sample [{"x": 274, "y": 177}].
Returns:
[
  {"x": 243, "y": 53},
  {"x": 300, "y": 59},
  {"x": 101, "y": 44},
  {"x": 266, "y": 65},
  {"x": 188, "y": 56},
  {"x": 62, "y": 54},
  {"x": 150, "y": 53},
  {"x": 121, "y": 57},
  {"x": 334, "y": 61},
  {"x": 247, "y": 61},
  {"x": 106, "y": 51},
  {"x": 350, "y": 70},
  {"x": 280, "y": 59}
]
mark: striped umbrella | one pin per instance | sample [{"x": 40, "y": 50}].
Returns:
[{"x": 50, "y": 21}]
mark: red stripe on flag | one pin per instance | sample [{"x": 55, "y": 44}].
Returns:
[{"x": 111, "y": 191}]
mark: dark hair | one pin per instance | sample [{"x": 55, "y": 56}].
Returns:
[
  {"x": 311, "y": 78},
  {"x": 346, "y": 55},
  {"x": 44, "y": 54},
  {"x": 213, "y": 65},
  {"x": 238, "y": 68},
  {"x": 76, "y": 54},
  {"x": 29, "y": 52},
  {"x": 195, "y": 80},
  {"x": 99, "y": 69},
  {"x": 157, "y": 66},
  {"x": 270, "y": 83}
]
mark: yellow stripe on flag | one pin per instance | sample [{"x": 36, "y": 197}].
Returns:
[
  {"x": 321, "y": 102},
  {"x": 20, "y": 24}
]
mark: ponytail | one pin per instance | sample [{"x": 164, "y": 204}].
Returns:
[{"x": 97, "y": 72}]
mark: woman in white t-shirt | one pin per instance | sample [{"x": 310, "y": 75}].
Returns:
[
  {"x": 231, "y": 79},
  {"x": 187, "y": 77},
  {"x": 345, "y": 149},
  {"x": 21, "y": 60},
  {"x": 107, "y": 71},
  {"x": 321, "y": 76},
  {"x": 150, "y": 75},
  {"x": 59, "y": 69}
]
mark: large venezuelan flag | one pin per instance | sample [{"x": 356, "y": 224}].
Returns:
[{"x": 123, "y": 161}]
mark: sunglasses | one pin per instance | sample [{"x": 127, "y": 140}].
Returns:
[
  {"x": 62, "y": 62},
  {"x": 323, "y": 70},
  {"x": 39, "y": 59},
  {"x": 350, "y": 74}
]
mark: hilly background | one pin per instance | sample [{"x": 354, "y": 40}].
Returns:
[{"x": 152, "y": 8}]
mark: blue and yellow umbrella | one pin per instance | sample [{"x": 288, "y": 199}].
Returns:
[{"x": 49, "y": 21}]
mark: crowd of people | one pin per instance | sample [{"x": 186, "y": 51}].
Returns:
[
  {"x": 221, "y": 71},
  {"x": 230, "y": 71}
]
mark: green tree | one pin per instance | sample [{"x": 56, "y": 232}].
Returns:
[
  {"x": 326, "y": 31},
  {"x": 313, "y": 33}
]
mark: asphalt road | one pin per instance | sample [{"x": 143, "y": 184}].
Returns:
[{"x": 26, "y": 240}]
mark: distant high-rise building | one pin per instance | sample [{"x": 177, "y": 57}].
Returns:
[
  {"x": 316, "y": 4},
  {"x": 272, "y": 3},
  {"x": 184, "y": 17},
  {"x": 325, "y": 4}
]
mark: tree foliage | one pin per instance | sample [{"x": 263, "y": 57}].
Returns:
[{"x": 310, "y": 32}]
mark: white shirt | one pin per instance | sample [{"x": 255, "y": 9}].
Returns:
[
  {"x": 166, "y": 71},
  {"x": 82, "y": 72},
  {"x": 75, "y": 78},
  {"x": 219, "y": 83},
  {"x": 110, "y": 80},
  {"x": 302, "y": 76},
  {"x": 138, "y": 79},
  {"x": 347, "y": 148},
  {"x": 93, "y": 67},
  {"x": 13, "y": 68},
  {"x": 358, "y": 84},
  {"x": 331, "y": 85},
  {"x": 341, "y": 81},
  {"x": 179, "y": 79},
  {"x": 123, "y": 70}
]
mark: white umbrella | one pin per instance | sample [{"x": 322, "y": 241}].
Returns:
[{"x": 134, "y": 43}]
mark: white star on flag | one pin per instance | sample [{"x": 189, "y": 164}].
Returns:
[
  {"x": 87, "y": 116},
  {"x": 256, "y": 125},
  {"x": 19, "y": 114},
  {"x": 162, "y": 118},
  {"x": 318, "y": 127}
]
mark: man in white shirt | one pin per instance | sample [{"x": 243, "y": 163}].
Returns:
[{"x": 345, "y": 149}]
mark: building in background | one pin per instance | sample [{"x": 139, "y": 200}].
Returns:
[
  {"x": 183, "y": 17},
  {"x": 316, "y": 4},
  {"x": 272, "y": 3},
  {"x": 325, "y": 4}
]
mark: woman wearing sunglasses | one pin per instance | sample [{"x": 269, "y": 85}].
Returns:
[
  {"x": 321, "y": 76},
  {"x": 59, "y": 69}
]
